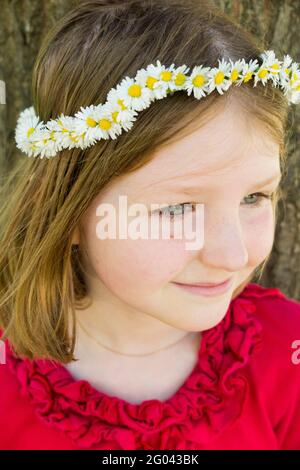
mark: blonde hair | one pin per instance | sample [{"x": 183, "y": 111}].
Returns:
[{"x": 83, "y": 56}]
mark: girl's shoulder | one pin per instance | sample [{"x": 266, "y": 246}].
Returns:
[
  {"x": 275, "y": 368},
  {"x": 20, "y": 425},
  {"x": 279, "y": 321},
  {"x": 14, "y": 409},
  {"x": 8, "y": 382},
  {"x": 278, "y": 314}
]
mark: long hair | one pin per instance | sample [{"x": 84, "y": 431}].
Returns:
[{"x": 84, "y": 55}]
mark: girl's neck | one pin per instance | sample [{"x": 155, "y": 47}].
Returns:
[{"x": 136, "y": 379}]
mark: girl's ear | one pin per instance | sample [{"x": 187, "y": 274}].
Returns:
[{"x": 75, "y": 237}]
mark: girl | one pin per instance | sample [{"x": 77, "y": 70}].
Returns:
[{"x": 119, "y": 342}]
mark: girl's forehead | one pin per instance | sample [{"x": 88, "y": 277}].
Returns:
[
  {"x": 226, "y": 141},
  {"x": 190, "y": 179},
  {"x": 227, "y": 146},
  {"x": 196, "y": 160}
]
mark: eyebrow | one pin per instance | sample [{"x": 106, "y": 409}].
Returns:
[{"x": 192, "y": 190}]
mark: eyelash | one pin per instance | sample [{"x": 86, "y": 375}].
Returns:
[{"x": 262, "y": 197}]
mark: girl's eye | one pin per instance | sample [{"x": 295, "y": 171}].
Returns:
[
  {"x": 259, "y": 198},
  {"x": 180, "y": 209},
  {"x": 176, "y": 210}
]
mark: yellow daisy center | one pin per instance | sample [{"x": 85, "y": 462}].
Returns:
[
  {"x": 135, "y": 91},
  {"x": 248, "y": 76},
  {"x": 262, "y": 73},
  {"x": 180, "y": 79},
  {"x": 72, "y": 137},
  {"x": 166, "y": 75},
  {"x": 30, "y": 131},
  {"x": 219, "y": 78},
  {"x": 104, "y": 124},
  {"x": 150, "y": 82},
  {"x": 52, "y": 135},
  {"x": 91, "y": 122},
  {"x": 234, "y": 75},
  {"x": 276, "y": 68},
  {"x": 115, "y": 115},
  {"x": 121, "y": 103},
  {"x": 198, "y": 80}
]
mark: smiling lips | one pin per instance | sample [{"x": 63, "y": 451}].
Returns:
[{"x": 207, "y": 289}]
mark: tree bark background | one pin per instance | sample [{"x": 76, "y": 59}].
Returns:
[{"x": 23, "y": 23}]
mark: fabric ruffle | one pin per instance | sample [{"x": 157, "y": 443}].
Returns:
[{"x": 210, "y": 399}]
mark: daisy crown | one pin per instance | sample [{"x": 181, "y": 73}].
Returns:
[{"x": 103, "y": 121}]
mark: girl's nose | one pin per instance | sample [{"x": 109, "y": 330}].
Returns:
[{"x": 224, "y": 244}]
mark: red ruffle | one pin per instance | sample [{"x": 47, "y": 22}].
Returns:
[{"x": 211, "y": 398}]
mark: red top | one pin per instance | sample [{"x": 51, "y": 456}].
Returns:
[{"x": 244, "y": 392}]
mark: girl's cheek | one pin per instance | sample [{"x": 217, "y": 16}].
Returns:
[
  {"x": 149, "y": 264},
  {"x": 259, "y": 228},
  {"x": 129, "y": 263},
  {"x": 143, "y": 264}
]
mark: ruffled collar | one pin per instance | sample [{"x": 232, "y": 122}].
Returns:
[{"x": 211, "y": 397}]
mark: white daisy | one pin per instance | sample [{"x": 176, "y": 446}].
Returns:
[
  {"x": 46, "y": 143},
  {"x": 219, "y": 77},
  {"x": 28, "y": 146},
  {"x": 293, "y": 96},
  {"x": 294, "y": 75},
  {"x": 163, "y": 80},
  {"x": 55, "y": 131},
  {"x": 122, "y": 118},
  {"x": 106, "y": 127},
  {"x": 293, "y": 88},
  {"x": 85, "y": 124},
  {"x": 248, "y": 70},
  {"x": 235, "y": 71},
  {"x": 179, "y": 78},
  {"x": 150, "y": 78},
  {"x": 160, "y": 79},
  {"x": 121, "y": 114},
  {"x": 197, "y": 82},
  {"x": 285, "y": 71},
  {"x": 27, "y": 124},
  {"x": 269, "y": 69},
  {"x": 66, "y": 132},
  {"x": 133, "y": 94}
]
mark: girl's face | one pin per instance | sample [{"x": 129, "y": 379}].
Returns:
[{"x": 224, "y": 165}]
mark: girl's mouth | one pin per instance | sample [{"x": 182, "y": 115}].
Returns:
[{"x": 206, "y": 289}]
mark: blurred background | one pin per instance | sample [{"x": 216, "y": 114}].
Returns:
[{"x": 23, "y": 23}]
